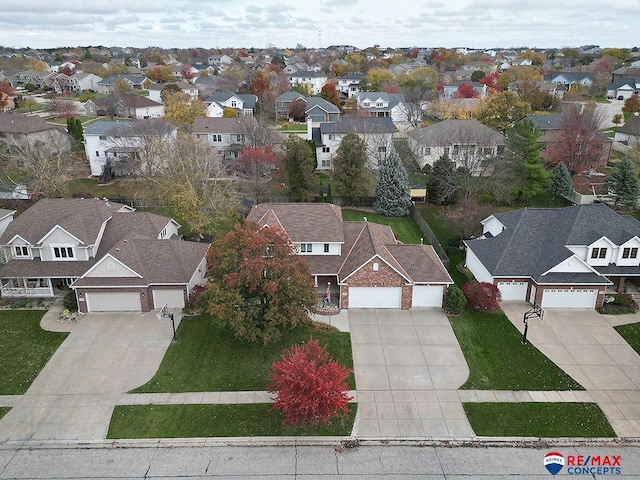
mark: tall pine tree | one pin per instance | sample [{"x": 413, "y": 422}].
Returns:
[
  {"x": 300, "y": 166},
  {"x": 392, "y": 187},
  {"x": 350, "y": 163},
  {"x": 442, "y": 188},
  {"x": 623, "y": 184},
  {"x": 561, "y": 181},
  {"x": 522, "y": 140}
]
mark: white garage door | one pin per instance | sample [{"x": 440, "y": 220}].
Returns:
[
  {"x": 173, "y": 298},
  {"x": 565, "y": 298},
  {"x": 113, "y": 302},
  {"x": 513, "y": 290},
  {"x": 427, "y": 296},
  {"x": 375, "y": 297}
]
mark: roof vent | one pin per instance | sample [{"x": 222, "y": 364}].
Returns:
[{"x": 126, "y": 241}]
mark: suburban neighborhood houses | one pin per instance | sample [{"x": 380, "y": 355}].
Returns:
[{"x": 334, "y": 244}]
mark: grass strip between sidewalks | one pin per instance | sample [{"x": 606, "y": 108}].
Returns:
[
  {"x": 631, "y": 333},
  {"x": 499, "y": 361},
  {"x": 544, "y": 420},
  {"x": 207, "y": 358},
  {"x": 25, "y": 349},
  {"x": 189, "y": 421}
]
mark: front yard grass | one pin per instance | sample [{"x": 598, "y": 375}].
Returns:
[
  {"x": 631, "y": 333},
  {"x": 404, "y": 227},
  {"x": 4, "y": 411},
  {"x": 207, "y": 358},
  {"x": 544, "y": 420},
  {"x": 24, "y": 349},
  {"x": 497, "y": 359},
  {"x": 188, "y": 421}
]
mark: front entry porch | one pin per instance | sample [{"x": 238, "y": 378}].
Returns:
[{"x": 23, "y": 287}]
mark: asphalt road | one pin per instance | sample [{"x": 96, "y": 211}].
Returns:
[{"x": 221, "y": 461}]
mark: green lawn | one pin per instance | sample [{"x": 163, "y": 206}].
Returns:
[
  {"x": 545, "y": 420},
  {"x": 63, "y": 121},
  {"x": 207, "y": 358},
  {"x": 631, "y": 333},
  {"x": 497, "y": 359},
  {"x": 24, "y": 349},
  {"x": 4, "y": 411},
  {"x": 83, "y": 186},
  {"x": 188, "y": 421},
  {"x": 404, "y": 227}
]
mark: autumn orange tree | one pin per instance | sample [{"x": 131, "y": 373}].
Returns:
[
  {"x": 255, "y": 164},
  {"x": 330, "y": 94},
  {"x": 258, "y": 287},
  {"x": 310, "y": 387},
  {"x": 465, "y": 90}
]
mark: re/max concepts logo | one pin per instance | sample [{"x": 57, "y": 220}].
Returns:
[{"x": 583, "y": 464}]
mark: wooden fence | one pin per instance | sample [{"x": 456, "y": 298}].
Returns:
[{"x": 428, "y": 233}]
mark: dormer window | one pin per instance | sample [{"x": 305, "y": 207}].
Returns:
[
  {"x": 628, "y": 252},
  {"x": 599, "y": 253},
  {"x": 63, "y": 253},
  {"x": 20, "y": 251},
  {"x": 306, "y": 247}
]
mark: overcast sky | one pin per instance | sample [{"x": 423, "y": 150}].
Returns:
[{"x": 286, "y": 23}]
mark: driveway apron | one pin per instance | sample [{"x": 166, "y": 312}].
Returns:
[
  {"x": 585, "y": 345},
  {"x": 408, "y": 366},
  {"x": 104, "y": 356}
]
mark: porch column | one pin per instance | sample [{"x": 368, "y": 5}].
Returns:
[
  {"x": 621, "y": 285},
  {"x": 50, "y": 285},
  {"x": 315, "y": 281}
]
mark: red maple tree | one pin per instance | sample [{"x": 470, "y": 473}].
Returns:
[
  {"x": 465, "y": 90},
  {"x": 330, "y": 94},
  {"x": 6, "y": 93},
  {"x": 310, "y": 386},
  {"x": 482, "y": 296},
  {"x": 491, "y": 81}
]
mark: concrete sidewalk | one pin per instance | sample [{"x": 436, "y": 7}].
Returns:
[{"x": 584, "y": 344}]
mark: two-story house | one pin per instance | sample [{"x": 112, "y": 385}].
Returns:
[
  {"x": 571, "y": 79},
  {"x": 362, "y": 263},
  {"x": 449, "y": 91},
  {"x": 377, "y": 133},
  {"x": 187, "y": 88},
  {"x": 227, "y": 136},
  {"x": 243, "y": 103},
  {"x": 349, "y": 84},
  {"x": 114, "y": 258},
  {"x": 382, "y": 104},
  {"x": 136, "y": 82},
  {"x": 315, "y": 80},
  {"x": 568, "y": 257},
  {"x": 116, "y": 149},
  {"x": 127, "y": 105}
]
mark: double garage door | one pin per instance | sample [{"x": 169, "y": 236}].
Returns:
[
  {"x": 391, "y": 297},
  {"x": 130, "y": 301},
  {"x": 566, "y": 298}
]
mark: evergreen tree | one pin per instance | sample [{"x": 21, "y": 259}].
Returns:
[
  {"x": 79, "y": 131},
  {"x": 442, "y": 188},
  {"x": 561, "y": 180},
  {"x": 299, "y": 164},
  {"x": 623, "y": 184},
  {"x": 349, "y": 166},
  {"x": 522, "y": 141},
  {"x": 392, "y": 187},
  {"x": 329, "y": 195}
]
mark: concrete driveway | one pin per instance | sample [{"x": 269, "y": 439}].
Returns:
[
  {"x": 104, "y": 356},
  {"x": 584, "y": 344},
  {"x": 408, "y": 366}
]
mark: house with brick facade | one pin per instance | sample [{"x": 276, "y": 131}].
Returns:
[{"x": 362, "y": 263}]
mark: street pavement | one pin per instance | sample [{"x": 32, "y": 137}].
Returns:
[{"x": 585, "y": 345}]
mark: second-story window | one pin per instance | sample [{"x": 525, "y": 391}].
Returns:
[
  {"x": 20, "y": 251},
  {"x": 599, "y": 253},
  {"x": 63, "y": 253},
  {"x": 628, "y": 252},
  {"x": 306, "y": 247},
  {"x": 216, "y": 137},
  {"x": 326, "y": 248}
]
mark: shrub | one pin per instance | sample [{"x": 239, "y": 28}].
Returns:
[
  {"x": 454, "y": 300},
  {"x": 22, "y": 303},
  {"x": 310, "y": 387},
  {"x": 619, "y": 305},
  {"x": 285, "y": 125},
  {"x": 70, "y": 301},
  {"x": 482, "y": 296}
]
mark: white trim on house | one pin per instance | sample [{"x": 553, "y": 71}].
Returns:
[
  {"x": 408, "y": 281},
  {"x": 102, "y": 260}
]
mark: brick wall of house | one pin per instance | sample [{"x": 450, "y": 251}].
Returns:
[{"x": 385, "y": 276}]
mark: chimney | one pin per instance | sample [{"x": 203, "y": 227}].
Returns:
[{"x": 309, "y": 128}]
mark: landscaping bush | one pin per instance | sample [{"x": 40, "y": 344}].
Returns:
[
  {"x": 619, "y": 304},
  {"x": 482, "y": 296},
  {"x": 22, "y": 303},
  {"x": 70, "y": 301},
  {"x": 454, "y": 300}
]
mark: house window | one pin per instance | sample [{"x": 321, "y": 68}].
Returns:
[
  {"x": 456, "y": 149},
  {"x": 234, "y": 104},
  {"x": 216, "y": 137},
  {"x": 501, "y": 151},
  {"x": 306, "y": 247},
  {"x": 102, "y": 137},
  {"x": 630, "y": 252},
  {"x": 366, "y": 104},
  {"x": 332, "y": 136},
  {"x": 326, "y": 248},
  {"x": 20, "y": 251},
  {"x": 599, "y": 253},
  {"x": 326, "y": 162},
  {"x": 63, "y": 253},
  {"x": 487, "y": 151},
  {"x": 382, "y": 149},
  {"x": 326, "y": 149},
  {"x": 378, "y": 104},
  {"x": 97, "y": 153},
  {"x": 446, "y": 151},
  {"x": 426, "y": 151}
]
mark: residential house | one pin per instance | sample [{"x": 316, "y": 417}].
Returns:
[
  {"x": 568, "y": 257},
  {"x": 377, "y": 133},
  {"x": 348, "y": 84},
  {"x": 362, "y": 263},
  {"x": 243, "y": 103},
  {"x": 318, "y": 110},
  {"x": 623, "y": 88},
  {"x": 625, "y": 72},
  {"x": 315, "y": 80},
  {"x": 6, "y": 217},
  {"x": 382, "y": 104},
  {"x": 117, "y": 149},
  {"x": 551, "y": 129},
  {"x": 553, "y": 89},
  {"x": 227, "y": 136},
  {"x": 457, "y": 139},
  {"x": 571, "y": 79},
  {"x": 296, "y": 66},
  {"x": 136, "y": 82},
  {"x": 19, "y": 131},
  {"x": 450, "y": 90},
  {"x": 81, "y": 82},
  {"x": 56, "y": 66},
  {"x": 219, "y": 61},
  {"x": 284, "y": 101},
  {"x": 127, "y": 105},
  {"x": 629, "y": 133},
  {"x": 187, "y": 88},
  {"x": 114, "y": 258}
]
